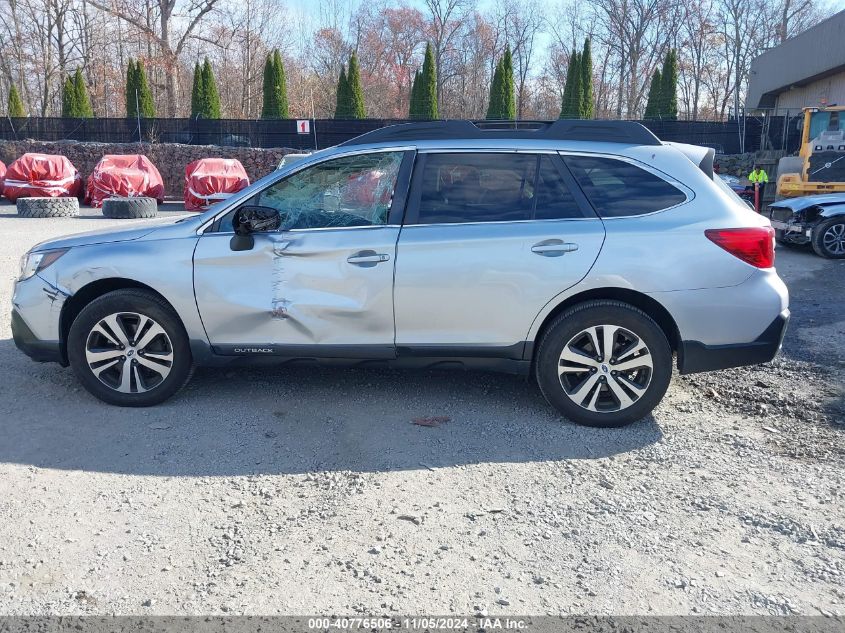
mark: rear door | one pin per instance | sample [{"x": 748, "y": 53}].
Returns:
[{"x": 488, "y": 240}]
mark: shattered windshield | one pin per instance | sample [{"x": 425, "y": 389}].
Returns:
[{"x": 349, "y": 191}]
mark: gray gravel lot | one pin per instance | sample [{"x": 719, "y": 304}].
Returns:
[{"x": 309, "y": 491}]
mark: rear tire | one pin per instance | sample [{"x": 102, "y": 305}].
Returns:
[
  {"x": 829, "y": 238},
  {"x": 47, "y": 207},
  {"x": 577, "y": 374},
  {"x": 129, "y": 348},
  {"x": 130, "y": 208}
]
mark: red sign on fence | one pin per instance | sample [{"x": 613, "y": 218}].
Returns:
[{"x": 303, "y": 126}]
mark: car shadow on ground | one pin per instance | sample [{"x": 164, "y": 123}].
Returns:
[{"x": 280, "y": 420}]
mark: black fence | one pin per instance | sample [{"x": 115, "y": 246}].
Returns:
[{"x": 725, "y": 137}]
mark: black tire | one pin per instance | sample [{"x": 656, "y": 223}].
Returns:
[
  {"x": 829, "y": 238},
  {"x": 126, "y": 302},
  {"x": 48, "y": 207},
  {"x": 574, "y": 321},
  {"x": 130, "y": 208}
]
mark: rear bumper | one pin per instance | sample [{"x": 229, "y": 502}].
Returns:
[
  {"x": 26, "y": 341},
  {"x": 695, "y": 357}
]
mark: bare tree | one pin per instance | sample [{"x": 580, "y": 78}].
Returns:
[
  {"x": 170, "y": 44},
  {"x": 447, "y": 18},
  {"x": 521, "y": 23}
]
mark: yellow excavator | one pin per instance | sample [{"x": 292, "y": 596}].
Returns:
[{"x": 820, "y": 164}]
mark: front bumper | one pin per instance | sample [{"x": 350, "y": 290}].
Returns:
[
  {"x": 36, "y": 312},
  {"x": 26, "y": 341},
  {"x": 695, "y": 357},
  {"x": 793, "y": 229}
]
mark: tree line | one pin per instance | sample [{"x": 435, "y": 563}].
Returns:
[{"x": 462, "y": 43}]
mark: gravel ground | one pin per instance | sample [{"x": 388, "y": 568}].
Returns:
[{"x": 310, "y": 491}]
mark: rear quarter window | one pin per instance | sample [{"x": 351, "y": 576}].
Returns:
[{"x": 617, "y": 188}]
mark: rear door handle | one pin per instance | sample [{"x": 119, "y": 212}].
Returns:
[
  {"x": 367, "y": 259},
  {"x": 553, "y": 248}
]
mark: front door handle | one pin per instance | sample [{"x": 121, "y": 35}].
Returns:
[
  {"x": 367, "y": 259},
  {"x": 553, "y": 248}
]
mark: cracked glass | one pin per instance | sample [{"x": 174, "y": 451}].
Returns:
[{"x": 348, "y": 191}]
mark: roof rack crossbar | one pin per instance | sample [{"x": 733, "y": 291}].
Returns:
[{"x": 629, "y": 132}]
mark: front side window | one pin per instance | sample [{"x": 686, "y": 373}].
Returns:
[
  {"x": 617, "y": 188},
  {"x": 348, "y": 191}
]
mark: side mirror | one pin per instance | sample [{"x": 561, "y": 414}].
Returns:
[{"x": 252, "y": 219}]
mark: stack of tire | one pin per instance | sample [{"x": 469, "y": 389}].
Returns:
[
  {"x": 125, "y": 186},
  {"x": 43, "y": 186}
]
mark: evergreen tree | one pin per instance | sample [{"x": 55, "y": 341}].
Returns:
[
  {"x": 508, "y": 91},
  {"x": 413, "y": 106},
  {"x": 210, "y": 96},
  {"x": 131, "y": 87},
  {"x": 342, "y": 103},
  {"x": 196, "y": 92},
  {"x": 15, "y": 104},
  {"x": 280, "y": 85},
  {"x": 494, "y": 109},
  {"x": 267, "y": 105},
  {"x": 355, "y": 93},
  {"x": 652, "y": 106},
  {"x": 83, "y": 102},
  {"x": 587, "y": 107},
  {"x": 146, "y": 105},
  {"x": 428, "y": 87},
  {"x": 275, "y": 104},
  {"x": 572, "y": 92},
  {"x": 69, "y": 106},
  {"x": 669, "y": 87}
]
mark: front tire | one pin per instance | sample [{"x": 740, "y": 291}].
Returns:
[
  {"x": 604, "y": 364},
  {"x": 129, "y": 348},
  {"x": 829, "y": 238}
]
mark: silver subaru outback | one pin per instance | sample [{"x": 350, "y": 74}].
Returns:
[{"x": 584, "y": 253}]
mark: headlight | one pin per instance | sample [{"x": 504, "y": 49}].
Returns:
[{"x": 32, "y": 263}]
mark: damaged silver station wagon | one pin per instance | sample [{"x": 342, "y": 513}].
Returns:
[{"x": 586, "y": 253}]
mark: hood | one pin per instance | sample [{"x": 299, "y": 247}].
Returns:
[
  {"x": 136, "y": 230},
  {"x": 799, "y": 204}
]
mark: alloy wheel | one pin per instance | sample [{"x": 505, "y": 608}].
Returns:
[
  {"x": 129, "y": 352},
  {"x": 834, "y": 239},
  {"x": 605, "y": 368}
]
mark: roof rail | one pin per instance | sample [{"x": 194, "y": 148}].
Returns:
[{"x": 629, "y": 132}]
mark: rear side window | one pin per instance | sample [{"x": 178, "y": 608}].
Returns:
[
  {"x": 554, "y": 200},
  {"x": 617, "y": 188},
  {"x": 477, "y": 188},
  {"x": 493, "y": 187}
]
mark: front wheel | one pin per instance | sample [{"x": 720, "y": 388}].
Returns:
[
  {"x": 604, "y": 363},
  {"x": 829, "y": 238},
  {"x": 129, "y": 348}
]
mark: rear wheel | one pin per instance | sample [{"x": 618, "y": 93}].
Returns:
[
  {"x": 129, "y": 348},
  {"x": 829, "y": 238},
  {"x": 604, "y": 363}
]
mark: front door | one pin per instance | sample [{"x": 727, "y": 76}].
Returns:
[{"x": 321, "y": 286}]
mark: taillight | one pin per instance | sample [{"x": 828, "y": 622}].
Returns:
[{"x": 753, "y": 245}]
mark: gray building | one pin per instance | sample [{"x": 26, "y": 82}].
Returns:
[{"x": 806, "y": 70}]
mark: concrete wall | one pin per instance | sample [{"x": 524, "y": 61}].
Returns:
[{"x": 170, "y": 158}]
